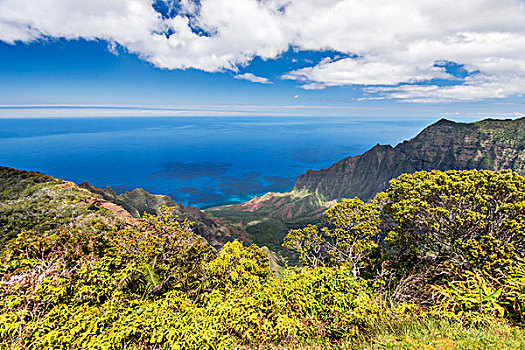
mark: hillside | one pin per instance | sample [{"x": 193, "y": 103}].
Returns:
[
  {"x": 34, "y": 201},
  {"x": 139, "y": 201},
  {"x": 445, "y": 145}
]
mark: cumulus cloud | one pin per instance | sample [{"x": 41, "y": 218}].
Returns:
[
  {"x": 252, "y": 78},
  {"x": 391, "y": 47},
  {"x": 364, "y": 71}
]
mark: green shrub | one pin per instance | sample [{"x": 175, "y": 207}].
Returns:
[
  {"x": 98, "y": 283},
  {"x": 479, "y": 294},
  {"x": 427, "y": 228}
]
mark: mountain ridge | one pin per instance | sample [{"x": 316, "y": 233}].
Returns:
[
  {"x": 445, "y": 145},
  {"x": 139, "y": 201}
]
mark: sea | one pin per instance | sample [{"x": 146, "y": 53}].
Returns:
[{"x": 201, "y": 161}]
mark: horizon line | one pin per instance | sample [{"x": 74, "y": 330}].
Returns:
[{"x": 28, "y": 111}]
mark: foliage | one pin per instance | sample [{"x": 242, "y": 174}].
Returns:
[
  {"x": 95, "y": 282},
  {"x": 33, "y": 201},
  {"x": 102, "y": 286},
  {"x": 247, "y": 304},
  {"x": 236, "y": 266},
  {"x": 427, "y": 228},
  {"x": 352, "y": 237},
  {"x": 480, "y": 294},
  {"x": 429, "y": 213},
  {"x": 165, "y": 254},
  {"x": 475, "y": 294},
  {"x": 442, "y": 333}
]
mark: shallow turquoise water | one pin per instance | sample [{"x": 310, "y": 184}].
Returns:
[{"x": 204, "y": 161}]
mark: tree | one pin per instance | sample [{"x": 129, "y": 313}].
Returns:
[
  {"x": 165, "y": 254},
  {"x": 352, "y": 236},
  {"x": 431, "y": 215}
]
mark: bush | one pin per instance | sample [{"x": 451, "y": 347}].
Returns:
[
  {"x": 479, "y": 294},
  {"x": 100, "y": 284},
  {"x": 427, "y": 228}
]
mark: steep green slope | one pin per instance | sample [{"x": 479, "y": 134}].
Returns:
[
  {"x": 33, "y": 201},
  {"x": 136, "y": 202},
  {"x": 139, "y": 201},
  {"x": 445, "y": 145}
]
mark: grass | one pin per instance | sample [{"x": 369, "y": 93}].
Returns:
[
  {"x": 422, "y": 334},
  {"x": 447, "y": 335}
]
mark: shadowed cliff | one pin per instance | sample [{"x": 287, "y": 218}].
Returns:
[{"x": 445, "y": 145}]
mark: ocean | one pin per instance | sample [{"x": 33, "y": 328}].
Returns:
[{"x": 202, "y": 161}]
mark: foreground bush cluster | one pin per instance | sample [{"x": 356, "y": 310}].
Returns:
[
  {"x": 162, "y": 285},
  {"x": 428, "y": 228},
  {"x": 434, "y": 262}
]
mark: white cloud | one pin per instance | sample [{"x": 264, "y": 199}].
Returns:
[
  {"x": 253, "y": 78},
  {"x": 475, "y": 88},
  {"x": 396, "y": 42},
  {"x": 362, "y": 71}
]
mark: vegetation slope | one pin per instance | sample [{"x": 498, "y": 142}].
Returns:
[{"x": 436, "y": 261}]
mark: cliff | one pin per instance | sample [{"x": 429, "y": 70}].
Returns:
[
  {"x": 445, "y": 145},
  {"x": 34, "y": 201}
]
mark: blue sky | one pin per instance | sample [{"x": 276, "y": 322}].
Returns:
[{"x": 273, "y": 57}]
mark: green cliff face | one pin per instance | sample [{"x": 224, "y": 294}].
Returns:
[
  {"x": 445, "y": 145},
  {"x": 34, "y": 201}
]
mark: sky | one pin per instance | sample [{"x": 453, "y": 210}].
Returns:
[{"x": 262, "y": 57}]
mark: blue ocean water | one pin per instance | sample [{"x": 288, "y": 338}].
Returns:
[{"x": 203, "y": 161}]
